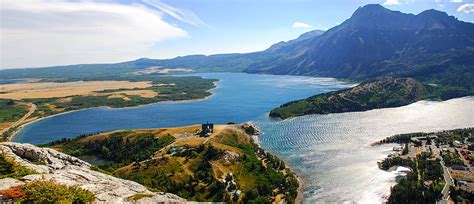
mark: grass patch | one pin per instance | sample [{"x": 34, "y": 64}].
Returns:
[
  {"x": 39, "y": 163},
  {"x": 139, "y": 196},
  {"x": 10, "y": 169},
  {"x": 11, "y": 111}
]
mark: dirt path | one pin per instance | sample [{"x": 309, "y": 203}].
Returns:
[
  {"x": 219, "y": 167},
  {"x": 217, "y": 131},
  {"x": 32, "y": 109}
]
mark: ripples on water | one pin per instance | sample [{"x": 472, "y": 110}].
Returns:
[{"x": 333, "y": 154}]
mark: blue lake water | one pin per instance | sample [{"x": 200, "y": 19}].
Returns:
[
  {"x": 330, "y": 152},
  {"x": 238, "y": 98},
  {"x": 12, "y": 81}
]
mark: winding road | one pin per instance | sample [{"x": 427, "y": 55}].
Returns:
[
  {"x": 446, "y": 175},
  {"x": 32, "y": 109}
]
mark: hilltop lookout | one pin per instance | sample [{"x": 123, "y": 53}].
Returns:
[{"x": 207, "y": 129}]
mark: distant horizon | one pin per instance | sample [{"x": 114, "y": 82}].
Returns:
[{"x": 175, "y": 31}]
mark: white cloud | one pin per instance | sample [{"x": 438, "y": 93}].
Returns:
[
  {"x": 391, "y": 2},
  {"x": 456, "y": 1},
  {"x": 466, "y": 8},
  {"x": 55, "y": 32},
  {"x": 182, "y": 15},
  {"x": 301, "y": 25}
]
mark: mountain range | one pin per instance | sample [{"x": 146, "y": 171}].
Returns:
[
  {"x": 372, "y": 41},
  {"x": 431, "y": 47}
]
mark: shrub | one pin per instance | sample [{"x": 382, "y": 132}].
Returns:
[
  {"x": 12, "y": 193},
  {"x": 48, "y": 192}
]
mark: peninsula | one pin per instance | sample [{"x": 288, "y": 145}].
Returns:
[
  {"x": 221, "y": 164},
  {"x": 384, "y": 92},
  {"x": 22, "y": 103}
]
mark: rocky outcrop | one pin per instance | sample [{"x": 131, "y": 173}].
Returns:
[{"x": 64, "y": 169}]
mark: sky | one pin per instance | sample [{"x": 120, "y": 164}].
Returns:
[{"x": 38, "y": 33}]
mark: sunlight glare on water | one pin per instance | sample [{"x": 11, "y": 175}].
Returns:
[{"x": 333, "y": 154}]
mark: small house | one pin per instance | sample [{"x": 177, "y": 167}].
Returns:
[{"x": 207, "y": 129}]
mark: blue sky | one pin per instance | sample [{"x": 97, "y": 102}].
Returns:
[
  {"x": 56, "y": 32},
  {"x": 243, "y": 26}
]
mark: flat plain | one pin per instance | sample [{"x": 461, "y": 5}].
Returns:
[{"x": 54, "y": 90}]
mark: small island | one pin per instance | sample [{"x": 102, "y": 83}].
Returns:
[
  {"x": 432, "y": 166},
  {"x": 208, "y": 162}
]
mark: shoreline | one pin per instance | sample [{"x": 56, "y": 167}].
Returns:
[
  {"x": 20, "y": 127},
  {"x": 424, "y": 101},
  {"x": 385, "y": 196},
  {"x": 300, "y": 195}
]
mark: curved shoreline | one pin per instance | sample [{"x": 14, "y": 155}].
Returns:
[
  {"x": 300, "y": 194},
  {"x": 19, "y": 128},
  {"x": 298, "y": 199},
  {"x": 361, "y": 111}
]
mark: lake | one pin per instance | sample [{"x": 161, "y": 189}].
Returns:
[
  {"x": 14, "y": 81},
  {"x": 330, "y": 152},
  {"x": 238, "y": 98}
]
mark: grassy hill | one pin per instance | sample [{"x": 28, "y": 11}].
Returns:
[{"x": 226, "y": 166}]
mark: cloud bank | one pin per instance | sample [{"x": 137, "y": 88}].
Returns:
[
  {"x": 53, "y": 32},
  {"x": 301, "y": 25},
  {"x": 466, "y": 8},
  {"x": 182, "y": 15},
  {"x": 391, "y": 2}
]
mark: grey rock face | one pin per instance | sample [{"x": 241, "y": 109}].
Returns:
[{"x": 68, "y": 170}]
